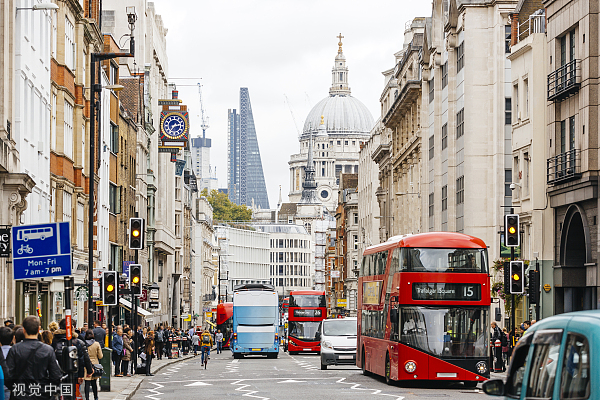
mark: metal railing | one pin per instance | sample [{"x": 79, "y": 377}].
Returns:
[
  {"x": 536, "y": 23},
  {"x": 564, "y": 81},
  {"x": 564, "y": 167}
]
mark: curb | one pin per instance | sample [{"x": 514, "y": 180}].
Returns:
[{"x": 132, "y": 388}]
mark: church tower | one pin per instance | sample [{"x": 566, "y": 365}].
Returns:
[{"x": 339, "y": 73}]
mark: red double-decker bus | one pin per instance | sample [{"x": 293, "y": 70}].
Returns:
[
  {"x": 306, "y": 311},
  {"x": 225, "y": 321},
  {"x": 423, "y": 308}
]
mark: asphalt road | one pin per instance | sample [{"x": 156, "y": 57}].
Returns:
[{"x": 297, "y": 377}]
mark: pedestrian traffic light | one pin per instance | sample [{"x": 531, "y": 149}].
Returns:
[
  {"x": 534, "y": 287},
  {"x": 517, "y": 277},
  {"x": 136, "y": 233},
  {"x": 512, "y": 236},
  {"x": 109, "y": 288},
  {"x": 135, "y": 279}
]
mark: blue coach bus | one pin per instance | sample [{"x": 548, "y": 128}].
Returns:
[{"x": 255, "y": 320}]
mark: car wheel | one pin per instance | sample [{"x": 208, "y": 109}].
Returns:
[
  {"x": 323, "y": 365},
  {"x": 388, "y": 370}
]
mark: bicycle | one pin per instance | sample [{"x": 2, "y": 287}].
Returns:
[{"x": 205, "y": 352}]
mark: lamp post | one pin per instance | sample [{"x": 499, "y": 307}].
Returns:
[{"x": 95, "y": 58}]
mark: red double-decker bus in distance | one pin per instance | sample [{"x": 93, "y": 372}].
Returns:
[
  {"x": 423, "y": 309},
  {"x": 307, "y": 309},
  {"x": 286, "y": 306},
  {"x": 225, "y": 321}
]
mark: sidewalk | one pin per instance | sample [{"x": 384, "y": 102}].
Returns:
[{"x": 124, "y": 387}]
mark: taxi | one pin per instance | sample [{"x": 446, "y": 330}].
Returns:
[{"x": 554, "y": 360}]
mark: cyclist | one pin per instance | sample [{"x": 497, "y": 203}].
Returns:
[{"x": 207, "y": 342}]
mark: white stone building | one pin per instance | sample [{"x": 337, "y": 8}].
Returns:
[
  {"x": 339, "y": 124},
  {"x": 368, "y": 208}
]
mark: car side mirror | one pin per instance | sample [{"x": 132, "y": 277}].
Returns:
[
  {"x": 318, "y": 335},
  {"x": 494, "y": 387}
]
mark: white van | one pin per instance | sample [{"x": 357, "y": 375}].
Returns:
[{"x": 338, "y": 341}]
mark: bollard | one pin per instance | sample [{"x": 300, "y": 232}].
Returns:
[{"x": 497, "y": 356}]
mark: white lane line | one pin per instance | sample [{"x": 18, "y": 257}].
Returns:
[
  {"x": 356, "y": 386},
  {"x": 154, "y": 391}
]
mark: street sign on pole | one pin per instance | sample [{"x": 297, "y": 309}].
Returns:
[{"x": 41, "y": 251}]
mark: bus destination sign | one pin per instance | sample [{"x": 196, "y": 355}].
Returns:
[
  {"x": 446, "y": 291},
  {"x": 304, "y": 313}
]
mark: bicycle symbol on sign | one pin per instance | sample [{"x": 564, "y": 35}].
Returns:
[{"x": 25, "y": 248}]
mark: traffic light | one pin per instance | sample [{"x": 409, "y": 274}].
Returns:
[
  {"x": 109, "y": 288},
  {"x": 136, "y": 233},
  {"x": 135, "y": 279},
  {"x": 517, "y": 277},
  {"x": 507, "y": 277},
  {"x": 512, "y": 236},
  {"x": 534, "y": 287}
]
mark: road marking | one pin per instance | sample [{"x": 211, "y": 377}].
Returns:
[
  {"x": 292, "y": 381},
  {"x": 356, "y": 386},
  {"x": 199, "y": 384},
  {"x": 154, "y": 391},
  {"x": 249, "y": 393}
]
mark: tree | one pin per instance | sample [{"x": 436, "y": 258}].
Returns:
[{"x": 224, "y": 209}]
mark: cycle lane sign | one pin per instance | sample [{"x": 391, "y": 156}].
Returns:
[{"x": 42, "y": 250}]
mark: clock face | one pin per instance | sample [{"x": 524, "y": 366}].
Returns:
[{"x": 174, "y": 126}]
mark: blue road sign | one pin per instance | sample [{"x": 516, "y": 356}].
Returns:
[
  {"x": 41, "y": 251},
  {"x": 126, "y": 265}
]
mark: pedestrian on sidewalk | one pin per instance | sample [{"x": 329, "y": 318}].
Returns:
[
  {"x": 505, "y": 348},
  {"x": 99, "y": 333},
  {"x": 32, "y": 362},
  {"x": 149, "y": 350},
  {"x": 160, "y": 342},
  {"x": 6, "y": 339},
  {"x": 95, "y": 353},
  {"x": 127, "y": 352},
  {"x": 195, "y": 342},
  {"x": 219, "y": 341},
  {"x": 117, "y": 351}
]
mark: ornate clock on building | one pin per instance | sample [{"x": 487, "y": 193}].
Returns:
[{"x": 174, "y": 126}]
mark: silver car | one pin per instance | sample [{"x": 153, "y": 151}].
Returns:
[{"x": 338, "y": 341}]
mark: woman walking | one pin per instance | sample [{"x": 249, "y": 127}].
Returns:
[
  {"x": 127, "y": 352},
  {"x": 95, "y": 353},
  {"x": 149, "y": 350}
]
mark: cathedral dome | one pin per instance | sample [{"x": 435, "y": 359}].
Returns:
[{"x": 343, "y": 114}]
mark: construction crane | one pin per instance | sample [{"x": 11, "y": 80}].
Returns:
[
  {"x": 292, "y": 112},
  {"x": 204, "y": 125}
]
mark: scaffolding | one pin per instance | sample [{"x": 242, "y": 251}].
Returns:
[{"x": 320, "y": 253}]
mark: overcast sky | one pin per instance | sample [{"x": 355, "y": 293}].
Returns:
[{"x": 277, "y": 47}]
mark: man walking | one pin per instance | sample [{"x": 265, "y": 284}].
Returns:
[
  {"x": 159, "y": 342},
  {"x": 32, "y": 368},
  {"x": 99, "y": 333},
  {"x": 195, "y": 342},
  {"x": 117, "y": 347},
  {"x": 497, "y": 350},
  {"x": 219, "y": 340}
]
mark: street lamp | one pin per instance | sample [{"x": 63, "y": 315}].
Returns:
[
  {"x": 95, "y": 58},
  {"x": 40, "y": 7}
]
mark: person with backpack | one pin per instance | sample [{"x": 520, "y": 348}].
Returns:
[
  {"x": 32, "y": 362},
  {"x": 207, "y": 344},
  {"x": 95, "y": 352},
  {"x": 60, "y": 340},
  {"x": 159, "y": 341}
]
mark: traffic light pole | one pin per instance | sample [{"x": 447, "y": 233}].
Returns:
[
  {"x": 134, "y": 301},
  {"x": 513, "y": 297}
]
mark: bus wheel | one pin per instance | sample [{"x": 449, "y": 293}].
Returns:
[
  {"x": 364, "y": 364},
  {"x": 388, "y": 370},
  {"x": 471, "y": 384}
]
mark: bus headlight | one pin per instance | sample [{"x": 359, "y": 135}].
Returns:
[
  {"x": 326, "y": 344},
  {"x": 410, "y": 366},
  {"x": 481, "y": 367}
]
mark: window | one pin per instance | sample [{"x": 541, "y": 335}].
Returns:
[
  {"x": 431, "y": 146},
  {"x": 355, "y": 241},
  {"x": 544, "y": 363},
  {"x": 177, "y": 188},
  {"x": 431, "y": 90},
  {"x": 526, "y": 95},
  {"x": 507, "y": 111},
  {"x": 460, "y": 190},
  {"x": 507, "y": 182},
  {"x": 563, "y": 133},
  {"x": 80, "y": 225},
  {"x": 114, "y": 74},
  {"x": 444, "y": 136},
  {"x": 114, "y": 138},
  {"x": 114, "y": 258},
  {"x": 345, "y": 143},
  {"x": 53, "y": 121},
  {"x": 575, "y": 376},
  {"x": 431, "y": 208},
  {"x": 516, "y": 102},
  {"x": 444, "y": 197},
  {"x": 460, "y": 123},
  {"x": 460, "y": 56},
  {"x": 507, "y": 38},
  {"x": 67, "y": 206},
  {"x": 69, "y": 44},
  {"x": 114, "y": 198},
  {"x": 572, "y": 133},
  {"x": 445, "y": 74},
  {"x": 355, "y": 218},
  {"x": 178, "y": 224},
  {"x": 68, "y": 132},
  {"x": 54, "y": 33},
  {"x": 526, "y": 173}
]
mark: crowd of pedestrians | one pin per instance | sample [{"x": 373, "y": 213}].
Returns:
[{"x": 508, "y": 340}]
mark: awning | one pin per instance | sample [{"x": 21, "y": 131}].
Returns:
[{"x": 140, "y": 310}]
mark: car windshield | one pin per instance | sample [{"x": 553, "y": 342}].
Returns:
[
  {"x": 451, "y": 332},
  {"x": 339, "y": 327},
  {"x": 304, "y": 329},
  {"x": 308, "y": 300}
]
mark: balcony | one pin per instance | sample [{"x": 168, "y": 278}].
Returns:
[
  {"x": 565, "y": 81},
  {"x": 564, "y": 167}
]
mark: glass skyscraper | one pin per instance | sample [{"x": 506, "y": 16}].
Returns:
[{"x": 245, "y": 177}]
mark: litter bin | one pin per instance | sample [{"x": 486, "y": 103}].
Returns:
[{"x": 107, "y": 365}]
